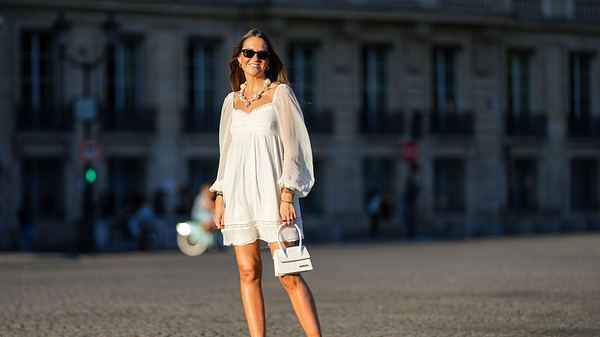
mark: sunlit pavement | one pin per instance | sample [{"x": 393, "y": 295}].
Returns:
[{"x": 518, "y": 286}]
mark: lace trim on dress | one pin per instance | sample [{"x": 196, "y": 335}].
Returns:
[{"x": 255, "y": 223}]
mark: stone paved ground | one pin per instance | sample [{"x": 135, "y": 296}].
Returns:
[{"x": 526, "y": 286}]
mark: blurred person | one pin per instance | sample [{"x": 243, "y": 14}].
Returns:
[
  {"x": 159, "y": 202},
  {"x": 409, "y": 201},
  {"x": 107, "y": 204},
  {"x": 204, "y": 208},
  {"x": 203, "y": 213},
  {"x": 265, "y": 166},
  {"x": 26, "y": 230},
  {"x": 386, "y": 207},
  {"x": 185, "y": 200},
  {"x": 142, "y": 222},
  {"x": 374, "y": 208},
  {"x": 123, "y": 215}
]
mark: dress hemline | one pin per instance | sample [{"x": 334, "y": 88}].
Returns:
[{"x": 266, "y": 233}]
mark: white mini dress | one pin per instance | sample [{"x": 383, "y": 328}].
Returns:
[{"x": 260, "y": 152}]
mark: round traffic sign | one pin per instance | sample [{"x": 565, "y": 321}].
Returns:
[
  {"x": 409, "y": 151},
  {"x": 89, "y": 150}
]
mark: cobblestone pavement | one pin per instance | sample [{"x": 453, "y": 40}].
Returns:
[{"x": 524, "y": 286}]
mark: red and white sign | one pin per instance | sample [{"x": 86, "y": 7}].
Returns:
[
  {"x": 409, "y": 151},
  {"x": 89, "y": 150}
]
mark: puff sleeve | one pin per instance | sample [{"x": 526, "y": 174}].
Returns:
[
  {"x": 297, "y": 169},
  {"x": 224, "y": 141}
]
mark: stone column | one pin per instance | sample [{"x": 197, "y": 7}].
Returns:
[
  {"x": 487, "y": 184},
  {"x": 554, "y": 194},
  {"x": 345, "y": 162},
  {"x": 165, "y": 94}
]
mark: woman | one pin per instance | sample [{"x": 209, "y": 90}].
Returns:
[{"x": 265, "y": 165}]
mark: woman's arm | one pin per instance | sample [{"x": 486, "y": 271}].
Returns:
[
  {"x": 224, "y": 141},
  {"x": 297, "y": 169}
]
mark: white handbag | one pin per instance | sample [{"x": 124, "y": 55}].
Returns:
[{"x": 294, "y": 259}]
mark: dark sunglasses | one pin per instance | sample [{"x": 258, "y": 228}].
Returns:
[{"x": 249, "y": 53}]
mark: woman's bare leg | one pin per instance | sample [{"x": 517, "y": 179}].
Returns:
[
  {"x": 301, "y": 298},
  {"x": 250, "y": 268}
]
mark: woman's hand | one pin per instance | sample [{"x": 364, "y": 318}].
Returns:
[
  {"x": 219, "y": 211},
  {"x": 287, "y": 213},
  {"x": 286, "y": 208}
]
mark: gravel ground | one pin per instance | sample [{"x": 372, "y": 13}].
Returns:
[{"x": 517, "y": 286}]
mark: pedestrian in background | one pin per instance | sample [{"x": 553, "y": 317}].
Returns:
[
  {"x": 26, "y": 230},
  {"x": 203, "y": 212},
  {"x": 374, "y": 205},
  {"x": 265, "y": 166}
]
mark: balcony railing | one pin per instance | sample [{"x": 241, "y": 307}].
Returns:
[
  {"x": 525, "y": 124},
  {"x": 52, "y": 118},
  {"x": 128, "y": 120},
  {"x": 205, "y": 121},
  {"x": 381, "y": 122},
  {"x": 588, "y": 10},
  {"x": 584, "y": 125},
  {"x": 351, "y": 3},
  {"x": 576, "y": 10},
  {"x": 527, "y": 8},
  {"x": 461, "y": 123},
  {"x": 472, "y": 5}
]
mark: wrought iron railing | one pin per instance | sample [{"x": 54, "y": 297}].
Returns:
[
  {"x": 456, "y": 123},
  {"x": 47, "y": 118},
  {"x": 584, "y": 125},
  {"x": 128, "y": 120},
  {"x": 525, "y": 124},
  {"x": 381, "y": 122}
]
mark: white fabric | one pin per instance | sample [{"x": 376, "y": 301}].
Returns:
[{"x": 260, "y": 152}]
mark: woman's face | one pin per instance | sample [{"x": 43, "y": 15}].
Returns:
[{"x": 254, "y": 66}]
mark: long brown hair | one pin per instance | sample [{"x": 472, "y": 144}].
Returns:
[{"x": 276, "y": 71}]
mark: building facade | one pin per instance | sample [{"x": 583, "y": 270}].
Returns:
[{"x": 499, "y": 100}]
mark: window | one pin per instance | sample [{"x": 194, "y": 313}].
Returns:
[
  {"x": 125, "y": 85},
  {"x": 127, "y": 180},
  {"x": 41, "y": 82},
  {"x": 444, "y": 80},
  {"x": 446, "y": 117},
  {"x": 303, "y": 75},
  {"x": 303, "y": 58},
  {"x": 519, "y": 77},
  {"x": 519, "y": 118},
  {"x": 449, "y": 185},
  {"x": 584, "y": 184},
  {"x": 522, "y": 194},
  {"x": 202, "y": 113},
  {"x": 375, "y": 87},
  {"x": 582, "y": 122},
  {"x": 43, "y": 188},
  {"x": 580, "y": 85}
]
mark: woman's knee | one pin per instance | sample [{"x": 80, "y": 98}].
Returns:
[
  {"x": 250, "y": 273},
  {"x": 290, "y": 281}
]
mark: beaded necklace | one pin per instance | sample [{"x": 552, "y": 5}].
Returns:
[{"x": 256, "y": 96}]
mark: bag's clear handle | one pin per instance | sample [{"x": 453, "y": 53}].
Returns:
[{"x": 279, "y": 238}]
